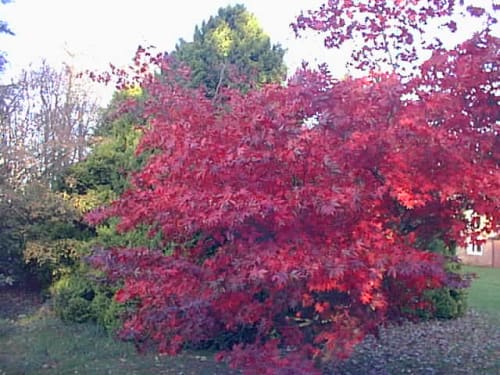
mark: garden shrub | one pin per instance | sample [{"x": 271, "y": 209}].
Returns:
[
  {"x": 41, "y": 235},
  {"x": 72, "y": 297},
  {"x": 12, "y": 221},
  {"x": 12, "y": 267},
  {"x": 49, "y": 260},
  {"x": 107, "y": 312},
  {"x": 448, "y": 302},
  {"x": 78, "y": 298}
]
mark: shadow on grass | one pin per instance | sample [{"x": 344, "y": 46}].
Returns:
[{"x": 36, "y": 342}]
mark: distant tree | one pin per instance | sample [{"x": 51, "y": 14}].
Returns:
[
  {"x": 4, "y": 29},
  {"x": 231, "y": 44},
  {"x": 46, "y": 117}
]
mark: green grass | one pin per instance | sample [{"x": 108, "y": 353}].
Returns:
[
  {"x": 41, "y": 344},
  {"x": 484, "y": 294}
]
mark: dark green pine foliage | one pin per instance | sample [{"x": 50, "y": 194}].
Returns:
[{"x": 231, "y": 49}]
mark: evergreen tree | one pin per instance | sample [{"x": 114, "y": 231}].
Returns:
[{"x": 231, "y": 44}]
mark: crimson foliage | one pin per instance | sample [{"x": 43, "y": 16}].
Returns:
[
  {"x": 390, "y": 33},
  {"x": 305, "y": 204}
]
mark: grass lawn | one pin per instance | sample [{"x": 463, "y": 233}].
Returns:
[
  {"x": 46, "y": 346},
  {"x": 33, "y": 341},
  {"x": 484, "y": 294}
]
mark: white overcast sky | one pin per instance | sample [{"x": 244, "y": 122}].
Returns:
[
  {"x": 99, "y": 32},
  {"x": 104, "y": 31}
]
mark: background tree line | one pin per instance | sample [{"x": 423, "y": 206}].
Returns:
[{"x": 47, "y": 117}]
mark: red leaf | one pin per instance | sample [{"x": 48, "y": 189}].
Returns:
[{"x": 475, "y": 11}]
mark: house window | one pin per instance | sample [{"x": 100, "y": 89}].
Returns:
[
  {"x": 474, "y": 249},
  {"x": 475, "y": 227}
]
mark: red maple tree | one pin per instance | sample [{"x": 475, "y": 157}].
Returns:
[{"x": 297, "y": 210}]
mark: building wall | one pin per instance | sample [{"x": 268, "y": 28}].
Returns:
[{"x": 490, "y": 256}]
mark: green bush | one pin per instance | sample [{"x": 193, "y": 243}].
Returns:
[
  {"x": 78, "y": 299},
  {"x": 76, "y": 309},
  {"x": 49, "y": 260},
  {"x": 107, "y": 312},
  {"x": 12, "y": 223},
  {"x": 72, "y": 297},
  {"x": 12, "y": 268},
  {"x": 447, "y": 303},
  {"x": 41, "y": 235}
]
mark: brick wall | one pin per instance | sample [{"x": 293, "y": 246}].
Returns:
[{"x": 490, "y": 256}]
